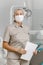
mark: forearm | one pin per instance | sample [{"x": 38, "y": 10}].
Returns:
[
  {"x": 9, "y": 48},
  {"x": 13, "y": 49}
]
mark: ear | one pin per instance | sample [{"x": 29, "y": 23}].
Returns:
[{"x": 25, "y": 13}]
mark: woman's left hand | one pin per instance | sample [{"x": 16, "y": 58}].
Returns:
[{"x": 35, "y": 52}]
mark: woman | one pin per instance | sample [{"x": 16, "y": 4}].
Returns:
[{"x": 15, "y": 38}]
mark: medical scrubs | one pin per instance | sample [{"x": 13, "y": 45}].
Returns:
[{"x": 16, "y": 36}]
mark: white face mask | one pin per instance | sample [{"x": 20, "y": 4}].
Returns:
[{"x": 19, "y": 18}]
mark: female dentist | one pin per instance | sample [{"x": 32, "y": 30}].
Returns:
[{"x": 15, "y": 38}]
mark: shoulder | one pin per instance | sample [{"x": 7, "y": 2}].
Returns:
[
  {"x": 10, "y": 27},
  {"x": 26, "y": 27}
]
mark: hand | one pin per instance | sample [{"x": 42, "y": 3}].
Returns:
[
  {"x": 35, "y": 52},
  {"x": 22, "y": 51}
]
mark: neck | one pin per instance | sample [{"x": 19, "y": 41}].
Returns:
[{"x": 19, "y": 23}]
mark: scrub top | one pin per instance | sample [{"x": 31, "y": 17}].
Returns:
[{"x": 16, "y": 37}]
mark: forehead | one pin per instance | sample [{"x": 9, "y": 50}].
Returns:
[{"x": 19, "y": 11}]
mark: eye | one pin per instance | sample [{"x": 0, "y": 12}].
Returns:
[
  {"x": 17, "y": 14},
  {"x": 21, "y": 13}
]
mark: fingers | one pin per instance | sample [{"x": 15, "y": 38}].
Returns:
[
  {"x": 23, "y": 51},
  {"x": 35, "y": 52}
]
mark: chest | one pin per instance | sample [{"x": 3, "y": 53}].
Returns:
[{"x": 20, "y": 34}]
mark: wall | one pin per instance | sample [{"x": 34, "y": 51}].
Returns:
[{"x": 37, "y": 18}]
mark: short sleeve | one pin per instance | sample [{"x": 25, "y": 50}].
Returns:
[{"x": 6, "y": 35}]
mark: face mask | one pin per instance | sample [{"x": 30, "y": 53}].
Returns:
[{"x": 19, "y": 18}]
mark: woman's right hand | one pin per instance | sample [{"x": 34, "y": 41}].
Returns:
[{"x": 22, "y": 51}]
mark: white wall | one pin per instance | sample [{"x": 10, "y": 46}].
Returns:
[
  {"x": 37, "y": 4},
  {"x": 37, "y": 8}
]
